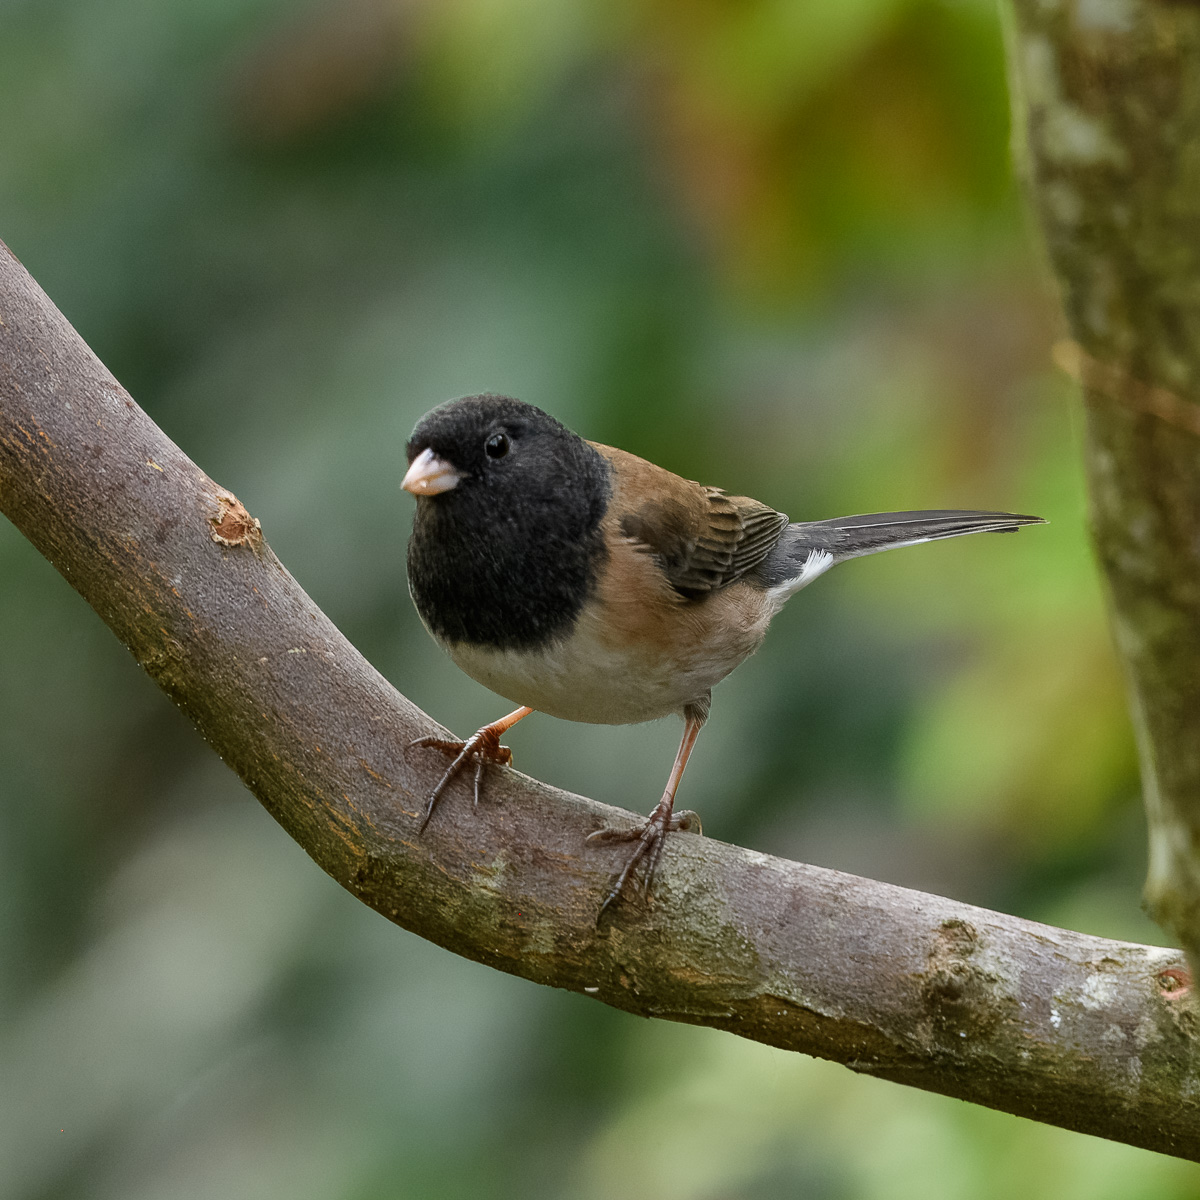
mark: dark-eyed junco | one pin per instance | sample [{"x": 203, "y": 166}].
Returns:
[{"x": 581, "y": 581}]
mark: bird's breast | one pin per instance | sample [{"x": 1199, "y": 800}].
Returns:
[{"x": 635, "y": 652}]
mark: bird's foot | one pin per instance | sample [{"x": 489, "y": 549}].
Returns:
[
  {"x": 481, "y": 748},
  {"x": 649, "y": 837}
]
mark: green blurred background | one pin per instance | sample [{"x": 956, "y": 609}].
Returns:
[{"x": 772, "y": 244}]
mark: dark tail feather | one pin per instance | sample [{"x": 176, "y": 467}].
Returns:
[
  {"x": 848, "y": 537},
  {"x": 808, "y": 548}
]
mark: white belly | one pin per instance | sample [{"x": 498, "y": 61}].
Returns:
[{"x": 588, "y": 677}]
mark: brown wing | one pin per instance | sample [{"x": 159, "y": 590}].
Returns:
[{"x": 703, "y": 538}]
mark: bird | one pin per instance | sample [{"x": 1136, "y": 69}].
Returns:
[{"x": 579, "y": 580}]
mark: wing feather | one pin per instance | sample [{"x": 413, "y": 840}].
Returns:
[{"x": 704, "y": 538}]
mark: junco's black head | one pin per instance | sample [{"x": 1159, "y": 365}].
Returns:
[
  {"x": 506, "y": 541},
  {"x": 492, "y": 443}
]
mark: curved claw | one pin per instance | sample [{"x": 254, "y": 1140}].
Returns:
[
  {"x": 650, "y": 837},
  {"x": 686, "y": 821},
  {"x": 482, "y": 747},
  {"x": 653, "y": 832}
]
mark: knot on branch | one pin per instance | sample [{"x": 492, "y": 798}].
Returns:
[
  {"x": 233, "y": 525},
  {"x": 1174, "y": 986},
  {"x": 960, "y": 995},
  {"x": 1174, "y": 983}
]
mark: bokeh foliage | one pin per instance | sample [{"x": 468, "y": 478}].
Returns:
[{"x": 774, "y": 245}]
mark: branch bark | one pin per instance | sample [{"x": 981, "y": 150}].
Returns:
[
  {"x": 1108, "y": 108},
  {"x": 1091, "y": 1034}
]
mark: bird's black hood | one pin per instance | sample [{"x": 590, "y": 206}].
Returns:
[{"x": 508, "y": 557}]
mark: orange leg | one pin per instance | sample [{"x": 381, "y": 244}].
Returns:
[
  {"x": 482, "y": 747},
  {"x": 653, "y": 833}
]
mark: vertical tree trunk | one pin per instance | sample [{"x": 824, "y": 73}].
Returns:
[{"x": 1107, "y": 104}]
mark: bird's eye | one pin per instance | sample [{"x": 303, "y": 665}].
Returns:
[{"x": 496, "y": 446}]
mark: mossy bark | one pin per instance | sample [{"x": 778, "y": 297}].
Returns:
[{"x": 1107, "y": 110}]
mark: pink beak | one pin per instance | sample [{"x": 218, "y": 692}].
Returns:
[{"x": 429, "y": 475}]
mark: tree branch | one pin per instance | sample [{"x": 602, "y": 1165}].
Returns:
[
  {"x": 1109, "y": 110},
  {"x": 1083, "y": 1032}
]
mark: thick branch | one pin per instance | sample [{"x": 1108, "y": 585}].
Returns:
[
  {"x": 1078, "y": 1031},
  {"x": 1109, "y": 106}
]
